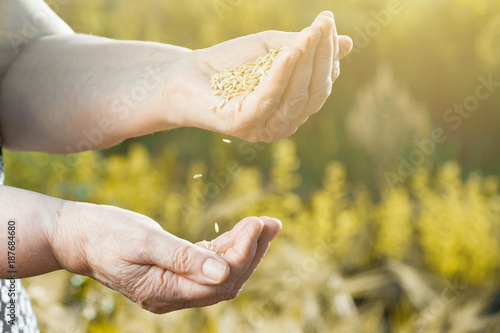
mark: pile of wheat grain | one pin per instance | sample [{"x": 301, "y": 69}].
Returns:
[{"x": 242, "y": 80}]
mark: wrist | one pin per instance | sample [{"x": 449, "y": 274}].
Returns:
[
  {"x": 67, "y": 241},
  {"x": 178, "y": 96}
]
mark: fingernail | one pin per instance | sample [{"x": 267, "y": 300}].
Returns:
[
  {"x": 214, "y": 269},
  {"x": 279, "y": 222}
]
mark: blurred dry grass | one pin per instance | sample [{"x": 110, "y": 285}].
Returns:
[{"x": 422, "y": 259}]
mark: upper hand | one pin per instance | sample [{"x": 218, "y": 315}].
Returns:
[
  {"x": 298, "y": 84},
  {"x": 132, "y": 254}
]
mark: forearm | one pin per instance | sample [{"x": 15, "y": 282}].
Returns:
[
  {"x": 25, "y": 248},
  {"x": 72, "y": 93}
]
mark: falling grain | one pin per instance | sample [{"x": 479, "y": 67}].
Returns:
[
  {"x": 198, "y": 175},
  {"x": 216, "y": 227},
  {"x": 226, "y": 140}
]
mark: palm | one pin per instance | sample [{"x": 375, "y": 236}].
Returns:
[{"x": 194, "y": 82}]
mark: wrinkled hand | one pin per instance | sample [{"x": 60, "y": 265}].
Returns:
[
  {"x": 132, "y": 254},
  {"x": 298, "y": 84}
]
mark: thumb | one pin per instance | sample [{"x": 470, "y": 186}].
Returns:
[
  {"x": 345, "y": 46},
  {"x": 184, "y": 258}
]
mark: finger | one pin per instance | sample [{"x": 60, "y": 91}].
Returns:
[
  {"x": 184, "y": 258},
  {"x": 163, "y": 291},
  {"x": 268, "y": 96},
  {"x": 240, "y": 247},
  {"x": 321, "y": 87},
  {"x": 271, "y": 228},
  {"x": 345, "y": 46},
  {"x": 273, "y": 39},
  {"x": 321, "y": 82},
  {"x": 244, "y": 247},
  {"x": 336, "y": 53},
  {"x": 297, "y": 92},
  {"x": 279, "y": 39},
  {"x": 228, "y": 240},
  {"x": 225, "y": 241}
]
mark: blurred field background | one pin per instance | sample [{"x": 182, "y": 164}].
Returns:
[{"x": 385, "y": 229}]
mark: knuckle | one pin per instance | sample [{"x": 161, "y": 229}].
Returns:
[
  {"x": 254, "y": 135},
  {"x": 182, "y": 259},
  {"x": 143, "y": 236},
  {"x": 148, "y": 302},
  {"x": 263, "y": 36},
  {"x": 140, "y": 241},
  {"x": 279, "y": 80},
  {"x": 335, "y": 72},
  {"x": 283, "y": 117},
  {"x": 233, "y": 294},
  {"x": 148, "y": 298},
  {"x": 299, "y": 122},
  {"x": 325, "y": 52},
  {"x": 298, "y": 101},
  {"x": 252, "y": 138},
  {"x": 151, "y": 307},
  {"x": 313, "y": 32},
  {"x": 268, "y": 104},
  {"x": 266, "y": 135},
  {"x": 292, "y": 131},
  {"x": 160, "y": 309},
  {"x": 226, "y": 292},
  {"x": 323, "y": 93},
  {"x": 277, "y": 126}
]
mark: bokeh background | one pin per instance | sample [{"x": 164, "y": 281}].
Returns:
[{"x": 389, "y": 196}]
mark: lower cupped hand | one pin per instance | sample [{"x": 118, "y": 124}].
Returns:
[{"x": 132, "y": 254}]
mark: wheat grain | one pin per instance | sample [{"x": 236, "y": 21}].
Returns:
[
  {"x": 211, "y": 247},
  {"x": 198, "y": 175},
  {"x": 244, "y": 79}
]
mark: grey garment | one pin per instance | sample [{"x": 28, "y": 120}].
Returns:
[{"x": 15, "y": 304}]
